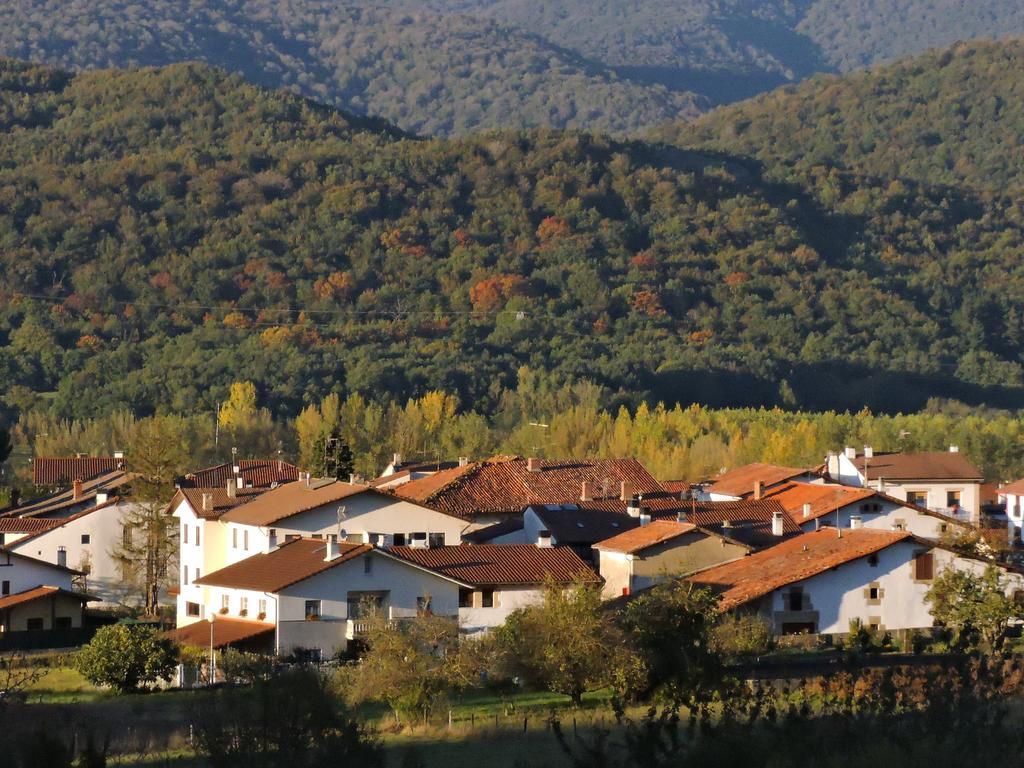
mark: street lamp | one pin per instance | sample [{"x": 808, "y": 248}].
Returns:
[{"x": 213, "y": 671}]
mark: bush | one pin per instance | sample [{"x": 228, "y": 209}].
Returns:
[
  {"x": 741, "y": 635},
  {"x": 126, "y": 658},
  {"x": 247, "y": 668}
]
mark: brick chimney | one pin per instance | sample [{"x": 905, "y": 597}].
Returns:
[
  {"x": 232, "y": 488},
  {"x": 533, "y": 465},
  {"x": 76, "y": 489},
  {"x": 543, "y": 539},
  {"x": 778, "y": 525},
  {"x": 207, "y": 502},
  {"x": 625, "y": 490},
  {"x": 758, "y": 490},
  {"x": 585, "y": 493}
]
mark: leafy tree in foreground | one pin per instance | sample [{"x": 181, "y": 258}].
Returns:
[
  {"x": 975, "y": 607},
  {"x": 570, "y": 645},
  {"x": 127, "y": 657}
]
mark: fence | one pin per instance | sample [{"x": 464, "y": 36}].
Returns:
[{"x": 42, "y": 640}]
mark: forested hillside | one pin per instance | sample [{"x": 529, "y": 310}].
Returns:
[
  {"x": 451, "y": 67},
  {"x": 167, "y": 232}
]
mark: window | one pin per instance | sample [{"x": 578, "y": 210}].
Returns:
[
  {"x": 126, "y": 536},
  {"x": 924, "y": 566},
  {"x": 191, "y": 609},
  {"x": 5, "y": 587},
  {"x": 436, "y": 540},
  {"x": 263, "y": 610},
  {"x": 873, "y": 560},
  {"x": 86, "y": 538},
  {"x": 920, "y": 498},
  {"x": 225, "y": 603},
  {"x": 234, "y": 538},
  {"x": 399, "y": 539},
  {"x": 795, "y": 599},
  {"x": 312, "y": 610},
  {"x": 243, "y": 608},
  {"x": 465, "y": 598},
  {"x": 62, "y": 622},
  {"x": 197, "y": 573},
  {"x": 952, "y": 498},
  {"x": 184, "y": 534},
  {"x": 367, "y": 565},
  {"x": 799, "y": 628},
  {"x": 291, "y": 537},
  {"x": 184, "y": 575},
  {"x": 943, "y": 528},
  {"x": 900, "y": 524},
  {"x": 34, "y": 625},
  {"x": 423, "y": 604},
  {"x": 245, "y": 540},
  {"x": 487, "y": 598},
  {"x": 197, "y": 535}
]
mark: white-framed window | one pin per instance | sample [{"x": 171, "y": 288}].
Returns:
[
  {"x": 245, "y": 540},
  {"x": 184, "y": 534},
  {"x": 197, "y": 535},
  {"x": 313, "y": 609},
  {"x": 234, "y": 538},
  {"x": 243, "y": 606},
  {"x": 263, "y": 608},
  {"x": 225, "y": 603}
]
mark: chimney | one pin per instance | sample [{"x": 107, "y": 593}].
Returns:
[
  {"x": 807, "y": 509},
  {"x": 533, "y": 465},
  {"x": 396, "y": 460},
  {"x": 855, "y": 522},
  {"x": 681, "y": 515},
  {"x": 330, "y": 549},
  {"x": 625, "y": 491},
  {"x": 418, "y": 541},
  {"x": 881, "y": 485},
  {"x": 543, "y": 539},
  {"x": 851, "y": 452},
  {"x": 633, "y": 508},
  {"x": 869, "y": 452},
  {"x": 463, "y": 461},
  {"x": 954, "y": 449},
  {"x": 118, "y": 454},
  {"x": 726, "y": 525},
  {"x": 76, "y": 489},
  {"x": 645, "y": 516},
  {"x": 207, "y": 502},
  {"x": 307, "y": 479},
  {"x": 352, "y": 478},
  {"x": 758, "y": 490},
  {"x": 777, "y": 524},
  {"x": 62, "y": 557},
  {"x": 271, "y": 540},
  {"x": 832, "y": 464},
  {"x": 232, "y": 488},
  {"x": 585, "y": 492},
  {"x": 101, "y": 496}
]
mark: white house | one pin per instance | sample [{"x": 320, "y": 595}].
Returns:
[
  {"x": 221, "y": 527},
  {"x": 309, "y": 594},
  {"x": 819, "y": 582},
  {"x": 841, "y": 506},
  {"x": 36, "y": 596},
  {"x": 942, "y": 481},
  {"x": 647, "y": 554}
]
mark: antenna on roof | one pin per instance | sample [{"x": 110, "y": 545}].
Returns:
[
  {"x": 541, "y": 426},
  {"x": 342, "y": 514}
]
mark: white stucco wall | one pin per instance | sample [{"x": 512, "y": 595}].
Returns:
[
  {"x": 506, "y": 600},
  {"x": 891, "y": 513},
  {"x": 23, "y": 573},
  {"x": 970, "y": 493},
  {"x": 103, "y": 527}
]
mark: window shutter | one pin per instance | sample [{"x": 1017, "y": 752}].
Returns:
[{"x": 925, "y": 563}]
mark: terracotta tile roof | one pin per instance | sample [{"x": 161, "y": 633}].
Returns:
[
  {"x": 503, "y": 485},
  {"x": 490, "y": 532},
  {"x": 219, "y": 503},
  {"x": 65, "y": 470},
  {"x": 62, "y": 501},
  {"x": 925, "y": 465},
  {"x": 676, "y": 486},
  {"x": 292, "y": 499},
  {"x": 584, "y": 524},
  {"x": 500, "y": 564},
  {"x": 788, "y": 562},
  {"x": 292, "y": 562},
  {"x": 226, "y": 631},
  {"x": 256, "y": 472},
  {"x": 739, "y": 482},
  {"x": 824, "y": 499},
  {"x": 38, "y": 593},
  {"x": 37, "y": 526},
  {"x": 645, "y": 537},
  {"x": 1016, "y": 488},
  {"x": 27, "y": 524}
]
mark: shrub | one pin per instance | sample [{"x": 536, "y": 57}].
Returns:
[
  {"x": 127, "y": 658},
  {"x": 741, "y": 635}
]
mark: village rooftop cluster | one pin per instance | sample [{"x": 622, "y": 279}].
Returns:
[{"x": 272, "y": 560}]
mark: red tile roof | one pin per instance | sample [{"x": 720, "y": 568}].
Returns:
[
  {"x": 60, "y": 502},
  {"x": 739, "y": 482},
  {"x": 38, "y": 593},
  {"x": 219, "y": 503},
  {"x": 48, "y": 471},
  {"x": 255, "y": 472},
  {"x": 924, "y": 465},
  {"x": 500, "y": 564},
  {"x": 824, "y": 499},
  {"x": 1016, "y": 488},
  {"x": 292, "y": 499},
  {"x": 504, "y": 485},
  {"x": 637, "y": 540},
  {"x": 292, "y": 562},
  {"x": 27, "y": 524},
  {"x": 226, "y": 631},
  {"x": 788, "y": 562}
]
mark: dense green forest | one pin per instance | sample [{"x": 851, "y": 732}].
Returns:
[
  {"x": 166, "y": 232},
  {"x": 445, "y": 67}
]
